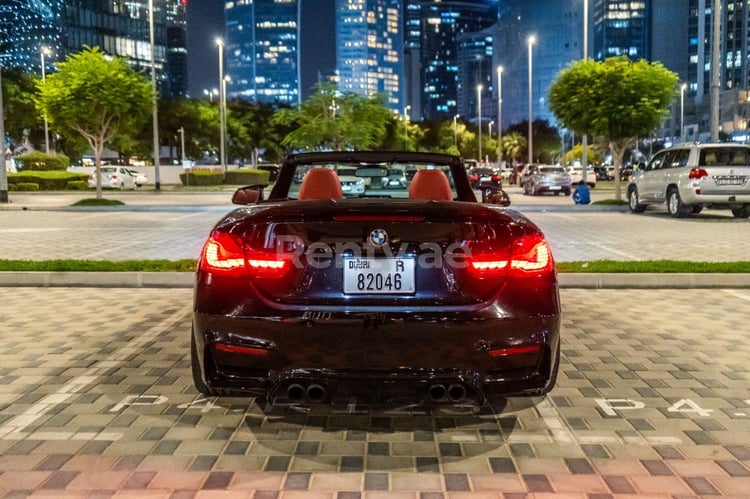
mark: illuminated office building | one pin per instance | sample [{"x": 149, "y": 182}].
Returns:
[
  {"x": 117, "y": 27},
  {"x": 622, "y": 28},
  {"x": 369, "y": 49},
  {"x": 441, "y": 24},
  {"x": 262, "y": 50}
]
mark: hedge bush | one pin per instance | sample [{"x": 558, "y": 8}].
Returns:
[
  {"x": 77, "y": 185},
  {"x": 232, "y": 177},
  {"x": 46, "y": 180},
  {"x": 26, "y": 186},
  {"x": 202, "y": 177},
  {"x": 247, "y": 177},
  {"x": 39, "y": 161}
]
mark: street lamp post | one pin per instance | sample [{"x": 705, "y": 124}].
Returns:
[
  {"x": 154, "y": 97},
  {"x": 406, "y": 127},
  {"x": 489, "y": 128},
  {"x": 455, "y": 130},
  {"x": 222, "y": 157},
  {"x": 585, "y": 138},
  {"x": 45, "y": 51},
  {"x": 3, "y": 171},
  {"x": 499, "y": 116},
  {"x": 531, "y": 41},
  {"x": 479, "y": 119},
  {"x": 182, "y": 145},
  {"x": 682, "y": 112}
]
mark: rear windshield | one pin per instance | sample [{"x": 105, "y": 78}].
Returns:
[
  {"x": 725, "y": 156},
  {"x": 552, "y": 169}
]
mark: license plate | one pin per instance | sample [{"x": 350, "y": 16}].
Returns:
[
  {"x": 731, "y": 180},
  {"x": 554, "y": 187},
  {"x": 379, "y": 275}
]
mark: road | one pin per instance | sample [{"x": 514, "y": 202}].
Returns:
[
  {"x": 173, "y": 226},
  {"x": 97, "y": 400},
  {"x": 96, "y": 397}
]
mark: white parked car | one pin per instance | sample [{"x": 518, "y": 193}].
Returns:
[
  {"x": 140, "y": 178},
  {"x": 576, "y": 174},
  {"x": 113, "y": 177},
  {"x": 351, "y": 184},
  {"x": 690, "y": 177}
]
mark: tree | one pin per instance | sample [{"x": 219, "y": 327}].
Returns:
[
  {"x": 514, "y": 145},
  {"x": 331, "y": 120},
  {"x": 22, "y": 121},
  {"x": 96, "y": 96},
  {"x": 617, "y": 100}
]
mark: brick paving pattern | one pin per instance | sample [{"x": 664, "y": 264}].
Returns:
[{"x": 96, "y": 400}]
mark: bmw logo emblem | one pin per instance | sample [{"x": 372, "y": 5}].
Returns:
[{"x": 378, "y": 238}]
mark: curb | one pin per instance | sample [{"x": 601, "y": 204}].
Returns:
[{"x": 186, "y": 280}]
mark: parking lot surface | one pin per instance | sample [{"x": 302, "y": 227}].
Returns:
[{"x": 96, "y": 400}]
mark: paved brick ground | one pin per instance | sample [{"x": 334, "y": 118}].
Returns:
[{"x": 96, "y": 400}]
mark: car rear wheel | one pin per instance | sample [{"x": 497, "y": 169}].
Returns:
[
  {"x": 741, "y": 212},
  {"x": 633, "y": 203},
  {"x": 675, "y": 205}
]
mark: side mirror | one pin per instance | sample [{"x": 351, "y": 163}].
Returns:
[
  {"x": 495, "y": 195},
  {"x": 250, "y": 194}
]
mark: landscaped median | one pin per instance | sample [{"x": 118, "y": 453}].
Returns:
[{"x": 179, "y": 274}]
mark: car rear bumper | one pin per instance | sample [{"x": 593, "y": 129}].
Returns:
[{"x": 379, "y": 358}]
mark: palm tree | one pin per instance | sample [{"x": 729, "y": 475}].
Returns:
[{"x": 514, "y": 144}]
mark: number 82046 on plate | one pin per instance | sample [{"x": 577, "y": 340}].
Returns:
[{"x": 379, "y": 275}]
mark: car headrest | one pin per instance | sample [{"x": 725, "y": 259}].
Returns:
[
  {"x": 320, "y": 183},
  {"x": 430, "y": 185}
]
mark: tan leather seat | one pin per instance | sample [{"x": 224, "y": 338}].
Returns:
[
  {"x": 320, "y": 183},
  {"x": 430, "y": 185}
]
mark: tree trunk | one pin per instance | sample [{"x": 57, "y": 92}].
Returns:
[{"x": 618, "y": 151}]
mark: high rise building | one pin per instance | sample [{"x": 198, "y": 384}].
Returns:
[
  {"x": 118, "y": 27},
  {"x": 262, "y": 50},
  {"x": 622, "y": 28},
  {"x": 436, "y": 39},
  {"x": 369, "y": 49},
  {"x": 557, "y": 27}
]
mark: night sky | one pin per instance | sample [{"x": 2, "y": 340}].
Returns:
[{"x": 205, "y": 20}]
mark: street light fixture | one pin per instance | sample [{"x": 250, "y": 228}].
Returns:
[
  {"x": 45, "y": 51},
  {"x": 154, "y": 97},
  {"x": 211, "y": 93},
  {"x": 531, "y": 42},
  {"x": 222, "y": 157},
  {"x": 479, "y": 119},
  {"x": 499, "y": 116},
  {"x": 683, "y": 87}
]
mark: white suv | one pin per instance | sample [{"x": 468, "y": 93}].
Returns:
[{"x": 690, "y": 177}]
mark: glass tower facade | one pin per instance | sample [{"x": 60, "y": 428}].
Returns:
[
  {"x": 622, "y": 27},
  {"x": 369, "y": 48},
  {"x": 262, "y": 50},
  {"x": 441, "y": 25},
  {"x": 118, "y": 27}
]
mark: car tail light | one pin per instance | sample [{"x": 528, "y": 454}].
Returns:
[
  {"x": 496, "y": 178},
  {"x": 519, "y": 350},
  {"x": 697, "y": 173},
  {"x": 239, "y": 349},
  {"x": 530, "y": 255},
  {"x": 225, "y": 252}
]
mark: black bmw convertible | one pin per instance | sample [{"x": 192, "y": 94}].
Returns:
[{"x": 423, "y": 295}]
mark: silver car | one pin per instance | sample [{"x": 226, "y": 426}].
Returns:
[
  {"x": 113, "y": 177},
  {"x": 690, "y": 177},
  {"x": 538, "y": 179}
]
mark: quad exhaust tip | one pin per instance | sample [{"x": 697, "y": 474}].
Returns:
[
  {"x": 296, "y": 392},
  {"x": 455, "y": 392}
]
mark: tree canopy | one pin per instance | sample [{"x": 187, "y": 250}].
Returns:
[
  {"x": 616, "y": 100},
  {"x": 331, "y": 120},
  {"x": 96, "y": 96}
]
